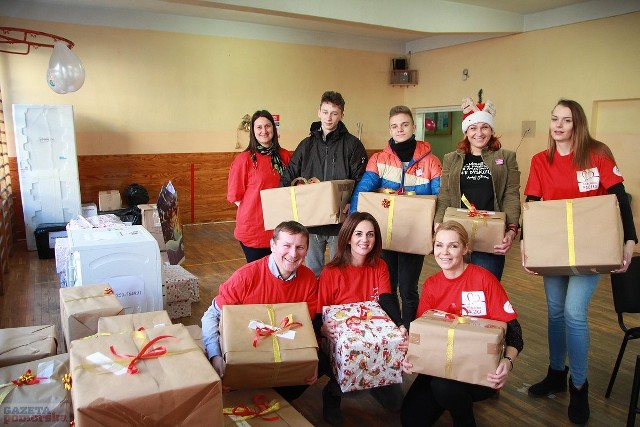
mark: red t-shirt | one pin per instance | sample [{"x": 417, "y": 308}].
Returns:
[
  {"x": 561, "y": 180},
  {"x": 352, "y": 284},
  {"x": 254, "y": 283},
  {"x": 476, "y": 292},
  {"x": 244, "y": 185}
]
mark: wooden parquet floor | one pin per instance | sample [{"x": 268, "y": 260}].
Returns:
[{"x": 212, "y": 254}]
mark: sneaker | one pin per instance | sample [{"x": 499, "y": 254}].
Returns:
[
  {"x": 390, "y": 396},
  {"x": 554, "y": 382},
  {"x": 331, "y": 406}
]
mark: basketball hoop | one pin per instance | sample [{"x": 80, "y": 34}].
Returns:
[{"x": 21, "y": 39}]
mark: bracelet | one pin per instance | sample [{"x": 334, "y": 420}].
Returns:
[
  {"x": 513, "y": 227},
  {"x": 510, "y": 361}
]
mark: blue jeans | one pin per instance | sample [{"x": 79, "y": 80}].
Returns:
[
  {"x": 317, "y": 247},
  {"x": 404, "y": 272},
  {"x": 492, "y": 262},
  {"x": 568, "y": 300}
]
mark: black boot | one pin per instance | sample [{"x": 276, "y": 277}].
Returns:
[
  {"x": 579, "y": 403},
  {"x": 331, "y": 399},
  {"x": 554, "y": 382}
]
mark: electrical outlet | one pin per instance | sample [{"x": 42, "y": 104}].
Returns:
[{"x": 528, "y": 129}]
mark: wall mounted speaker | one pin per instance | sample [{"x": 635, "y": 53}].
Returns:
[{"x": 399, "y": 64}]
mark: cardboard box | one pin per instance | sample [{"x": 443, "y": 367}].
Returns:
[
  {"x": 276, "y": 360},
  {"x": 133, "y": 322},
  {"x": 442, "y": 345},
  {"x": 573, "y": 236},
  {"x": 321, "y": 203},
  {"x": 109, "y": 200},
  {"x": 179, "y": 309},
  {"x": 46, "y": 403},
  {"x": 178, "y": 387},
  {"x": 179, "y": 284},
  {"x": 365, "y": 354},
  {"x": 21, "y": 345},
  {"x": 81, "y": 307},
  {"x": 89, "y": 210},
  {"x": 253, "y": 406},
  {"x": 485, "y": 229},
  {"x": 151, "y": 221},
  {"x": 406, "y": 222}
]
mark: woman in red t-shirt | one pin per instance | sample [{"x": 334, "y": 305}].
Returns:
[
  {"x": 356, "y": 274},
  {"x": 257, "y": 168},
  {"x": 575, "y": 165},
  {"x": 475, "y": 291}
]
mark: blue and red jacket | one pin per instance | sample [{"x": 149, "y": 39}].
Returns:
[{"x": 385, "y": 170}]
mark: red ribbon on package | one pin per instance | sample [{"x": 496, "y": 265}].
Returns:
[
  {"x": 262, "y": 408},
  {"x": 473, "y": 211},
  {"x": 286, "y": 323},
  {"x": 145, "y": 353},
  {"x": 25, "y": 379},
  {"x": 352, "y": 322}
]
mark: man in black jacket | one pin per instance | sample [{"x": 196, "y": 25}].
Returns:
[{"x": 329, "y": 153}]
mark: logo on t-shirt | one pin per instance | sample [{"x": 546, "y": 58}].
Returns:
[
  {"x": 508, "y": 308},
  {"x": 474, "y": 303},
  {"x": 616, "y": 171},
  {"x": 588, "y": 180}
]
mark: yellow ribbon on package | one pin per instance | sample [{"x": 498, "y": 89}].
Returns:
[
  {"x": 571, "y": 243},
  {"x": 286, "y": 324},
  {"x": 451, "y": 333},
  {"x": 299, "y": 181},
  {"x": 390, "y": 204}
]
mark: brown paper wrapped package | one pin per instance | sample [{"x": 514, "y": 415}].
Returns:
[
  {"x": 484, "y": 231},
  {"x": 82, "y": 306},
  {"x": 21, "y": 345},
  {"x": 476, "y": 347},
  {"x": 47, "y": 403},
  {"x": 406, "y": 222},
  {"x": 321, "y": 203},
  {"x": 179, "y": 388},
  {"x": 574, "y": 236},
  {"x": 196, "y": 333},
  {"x": 287, "y": 415},
  {"x": 133, "y": 322},
  {"x": 255, "y": 367}
]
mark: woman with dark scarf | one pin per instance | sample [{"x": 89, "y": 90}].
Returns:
[
  {"x": 404, "y": 165},
  {"x": 257, "y": 168}
]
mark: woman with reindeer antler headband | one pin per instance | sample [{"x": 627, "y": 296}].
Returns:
[{"x": 487, "y": 175}]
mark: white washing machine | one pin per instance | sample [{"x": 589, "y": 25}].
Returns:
[{"x": 127, "y": 258}]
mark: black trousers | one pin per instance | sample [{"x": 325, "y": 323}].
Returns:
[
  {"x": 404, "y": 272},
  {"x": 428, "y": 398},
  {"x": 254, "y": 254}
]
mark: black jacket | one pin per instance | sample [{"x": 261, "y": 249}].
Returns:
[{"x": 341, "y": 156}]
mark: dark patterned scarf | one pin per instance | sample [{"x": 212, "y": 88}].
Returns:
[{"x": 276, "y": 161}]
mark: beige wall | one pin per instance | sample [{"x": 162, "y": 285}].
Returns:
[{"x": 155, "y": 92}]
